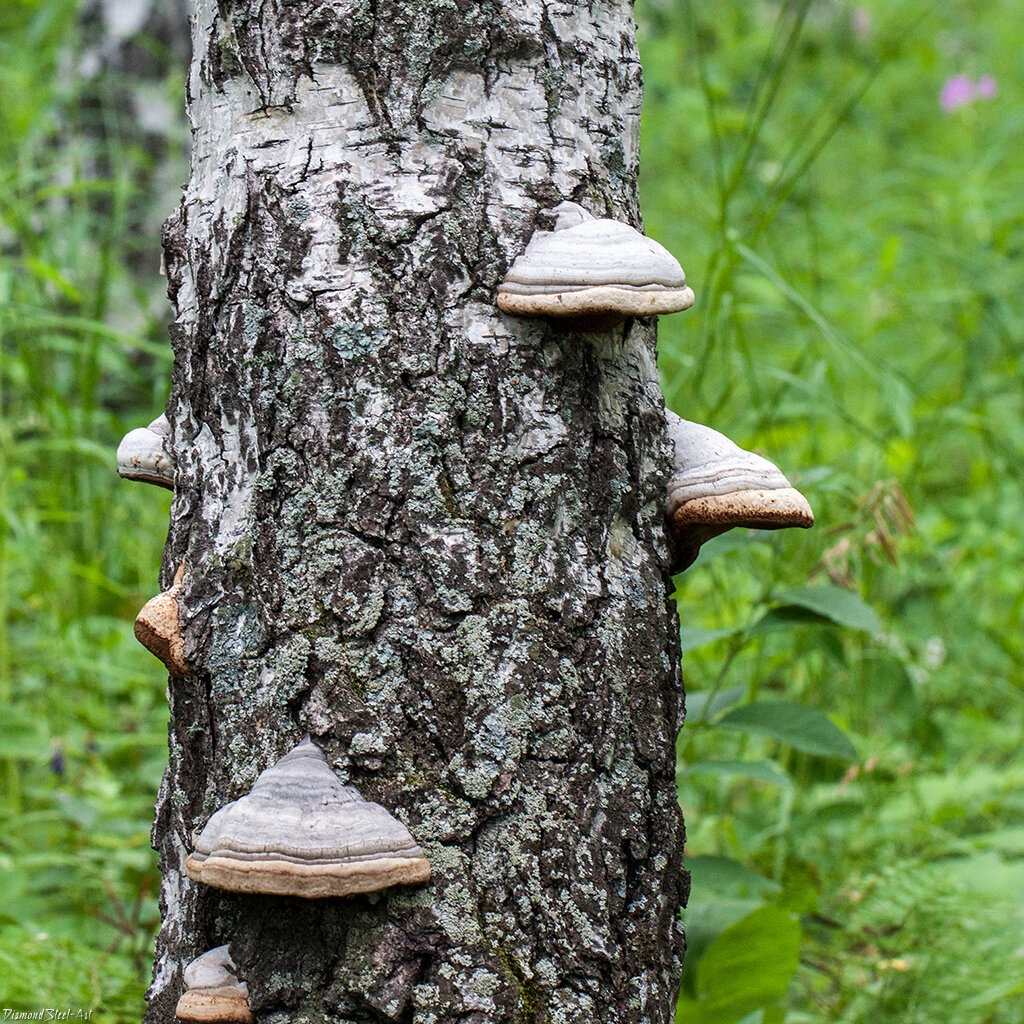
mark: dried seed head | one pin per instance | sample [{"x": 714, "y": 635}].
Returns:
[
  {"x": 212, "y": 991},
  {"x": 593, "y": 273},
  {"x": 300, "y": 832},
  {"x": 143, "y": 454},
  {"x": 716, "y": 485}
]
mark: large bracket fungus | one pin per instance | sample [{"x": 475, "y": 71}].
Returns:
[
  {"x": 158, "y": 630},
  {"x": 717, "y": 485},
  {"x": 143, "y": 455},
  {"x": 213, "y": 993},
  {"x": 300, "y": 832},
  {"x": 593, "y": 274}
]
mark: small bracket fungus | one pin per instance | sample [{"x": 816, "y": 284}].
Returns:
[
  {"x": 212, "y": 991},
  {"x": 158, "y": 630},
  {"x": 143, "y": 455},
  {"x": 593, "y": 274},
  {"x": 716, "y": 485},
  {"x": 300, "y": 832}
]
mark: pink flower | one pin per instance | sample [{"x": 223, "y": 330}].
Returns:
[
  {"x": 987, "y": 88},
  {"x": 960, "y": 90},
  {"x": 956, "y": 93}
]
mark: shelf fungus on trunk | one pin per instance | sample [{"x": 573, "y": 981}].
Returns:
[
  {"x": 593, "y": 273},
  {"x": 716, "y": 485},
  {"x": 158, "y": 630},
  {"x": 300, "y": 832},
  {"x": 143, "y": 455},
  {"x": 213, "y": 992}
]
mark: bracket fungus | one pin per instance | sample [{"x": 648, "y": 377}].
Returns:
[
  {"x": 158, "y": 630},
  {"x": 716, "y": 485},
  {"x": 213, "y": 992},
  {"x": 593, "y": 273},
  {"x": 300, "y": 832},
  {"x": 143, "y": 455}
]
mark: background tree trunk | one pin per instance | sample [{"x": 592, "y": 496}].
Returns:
[{"x": 426, "y": 533}]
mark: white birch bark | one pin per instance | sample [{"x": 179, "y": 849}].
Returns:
[{"x": 426, "y": 533}]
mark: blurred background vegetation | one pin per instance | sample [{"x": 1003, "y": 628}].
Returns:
[{"x": 842, "y": 183}]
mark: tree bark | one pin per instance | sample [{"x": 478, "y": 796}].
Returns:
[{"x": 428, "y": 534}]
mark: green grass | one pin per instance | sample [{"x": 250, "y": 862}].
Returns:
[{"x": 855, "y": 253}]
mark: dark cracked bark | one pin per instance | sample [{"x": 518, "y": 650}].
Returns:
[{"x": 428, "y": 534}]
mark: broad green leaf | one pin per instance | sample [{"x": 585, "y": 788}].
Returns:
[
  {"x": 692, "y": 637},
  {"x": 840, "y": 606},
  {"x": 725, "y": 875},
  {"x": 758, "y": 771},
  {"x": 703, "y": 705},
  {"x": 721, "y": 545},
  {"x": 749, "y": 966},
  {"x": 777, "y": 620},
  {"x": 801, "y": 727},
  {"x": 706, "y": 916}
]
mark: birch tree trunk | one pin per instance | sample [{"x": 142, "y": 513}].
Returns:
[{"x": 426, "y": 533}]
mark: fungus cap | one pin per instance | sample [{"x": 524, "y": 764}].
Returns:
[
  {"x": 300, "y": 832},
  {"x": 716, "y": 485},
  {"x": 594, "y": 272},
  {"x": 213, "y": 992},
  {"x": 142, "y": 454},
  {"x": 158, "y": 629}
]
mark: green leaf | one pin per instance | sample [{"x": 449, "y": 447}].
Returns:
[
  {"x": 725, "y": 875},
  {"x": 996, "y": 994},
  {"x": 835, "y": 604},
  {"x": 758, "y": 771},
  {"x": 702, "y": 705},
  {"x": 777, "y": 620},
  {"x": 749, "y": 966},
  {"x": 723, "y": 544},
  {"x": 706, "y": 916},
  {"x": 23, "y": 736},
  {"x": 79, "y": 812},
  {"x": 801, "y": 727},
  {"x": 692, "y": 637}
]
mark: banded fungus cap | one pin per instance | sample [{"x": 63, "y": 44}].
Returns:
[
  {"x": 158, "y": 629},
  {"x": 716, "y": 485},
  {"x": 300, "y": 832},
  {"x": 212, "y": 991},
  {"x": 143, "y": 455},
  {"x": 593, "y": 273}
]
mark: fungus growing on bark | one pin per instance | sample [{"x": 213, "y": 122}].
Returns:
[
  {"x": 213, "y": 992},
  {"x": 158, "y": 630},
  {"x": 300, "y": 832},
  {"x": 717, "y": 485},
  {"x": 593, "y": 274},
  {"x": 143, "y": 455}
]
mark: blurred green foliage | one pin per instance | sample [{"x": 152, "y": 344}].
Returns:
[
  {"x": 849, "y": 773},
  {"x": 855, "y": 251},
  {"x": 83, "y": 357}
]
